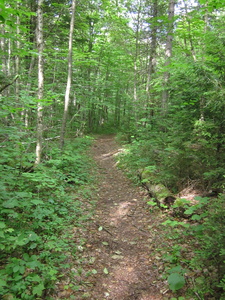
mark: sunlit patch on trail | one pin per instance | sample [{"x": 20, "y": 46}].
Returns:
[
  {"x": 121, "y": 279},
  {"x": 125, "y": 280},
  {"x": 112, "y": 153},
  {"x": 120, "y": 211}
]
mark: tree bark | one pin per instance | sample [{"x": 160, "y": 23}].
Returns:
[
  {"x": 153, "y": 46},
  {"x": 187, "y": 19},
  {"x": 8, "y": 84},
  {"x": 40, "y": 47},
  {"x": 137, "y": 52},
  {"x": 152, "y": 58},
  {"x": 17, "y": 59},
  {"x": 69, "y": 77},
  {"x": 168, "y": 54}
]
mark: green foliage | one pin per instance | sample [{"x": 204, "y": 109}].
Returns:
[
  {"x": 37, "y": 214},
  {"x": 205, "y": 238},
  {"x": 176, "y": 281}
]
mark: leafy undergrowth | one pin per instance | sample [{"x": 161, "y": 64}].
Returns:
[
  {"x": 191, "y": 253},
  {"x": 39, "y": 211}
]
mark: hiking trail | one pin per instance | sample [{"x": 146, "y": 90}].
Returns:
[{"x": 121, "y": 237}]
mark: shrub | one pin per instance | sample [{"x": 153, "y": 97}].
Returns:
[{"x": 37, "y": 215}]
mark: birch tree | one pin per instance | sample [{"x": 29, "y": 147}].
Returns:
[
  {"x": 168, "y": 53},
  {"x": 152, "y": 52},
  {"x": 40, "y": 47},
  {"x": 69, "y": 77}
]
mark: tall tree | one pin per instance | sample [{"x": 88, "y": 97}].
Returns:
[
  {"x": 69, "y": 77},
  {"x": 152, "y": 52},
  {"x": 40, "y": 47},
  {"x": 168, "y": 55}
]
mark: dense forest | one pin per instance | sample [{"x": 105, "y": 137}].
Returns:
[{"x": 150, "y": 71}]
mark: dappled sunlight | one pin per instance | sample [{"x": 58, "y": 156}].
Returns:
[
  {"x": 120, "y": 211},
  {"x": 191, "y": 191},
  {"x": 125, "y": 274},
  {"x": 112, "y": 153},
  {"x": 124, "y": 280}
]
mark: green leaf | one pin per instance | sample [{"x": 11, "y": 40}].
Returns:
[
  {"x": 100, "y": 228},
  {"x": 33, "y": 246},
  {"x": 36, "y": 201},
  {"x": 176, "y": 269},
  {"x": 16, "y": 268},
  {"x": 35, "y": 277},
  {"x": 106, "y": 271},
  {"x": 21, "y": 240},
  {"x": 190, "y": 210},
  {"x": 105, "y": 243},
  {"x": 33, "y": 236},
  {"x": 2, "y": 225},
  {"x": 176, "y": 281},
  {"x": 33, "y": 264},
  {"x": 94, "y": 271},
  {"x": 37, "y": 290},
  {"x": 3, "y": 283},
  {"x": 196, "y": 217},
  {"x": 26, "y": 257},
  {"x": 152, "y": 203},
  {"x": 10, "y": 203}
]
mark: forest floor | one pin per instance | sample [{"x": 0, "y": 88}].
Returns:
[{"x": 118, "y": 254}]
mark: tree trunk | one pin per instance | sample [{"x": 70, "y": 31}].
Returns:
[
  {"x": 137, "y": 52},
  {"x": 152, "y": 54},
  {"x": 187, "y": 19},
  {"x": 152, "y": 58},
  {"x": 69, "y": 77},
  {"x": 17, "y": 59},
  {"x": 40, "y": 47},
  {"x": 168, "y": 54}
]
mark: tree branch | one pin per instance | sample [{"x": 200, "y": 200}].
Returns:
[{"x": 8, "y": 84}]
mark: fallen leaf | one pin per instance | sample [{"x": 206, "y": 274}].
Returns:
[
  {"x": 115, "y": 256},
  {"x": 105, "y": 243},
  {"x": 133, "y": 243},
  {"x": 118, "y": 252},
  {"x": 106, "y": 271}
]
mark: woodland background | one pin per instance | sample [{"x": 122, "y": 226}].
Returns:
[{"x": 152, "y": 71}]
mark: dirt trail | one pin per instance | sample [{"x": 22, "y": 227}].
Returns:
[{"x": 121, "y": 237}]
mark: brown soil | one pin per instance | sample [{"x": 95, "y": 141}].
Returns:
[{"x": 120, "y": 238}]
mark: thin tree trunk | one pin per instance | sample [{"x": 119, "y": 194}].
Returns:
[
  {"x": 152, "y": 59},
  {"x": 168, "y": 53},
  {"x": 187, "y": 19},
  {"x": 137, "y": 52},
  {"x": 40, "y": 47},
  {"x": 69, "y": 78},
  {"x": 3, "y": 50},
  {"x": 9, "y": 57},
  {"x": 17, "y": 60},
  {"x": 152, "y": 54}
]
